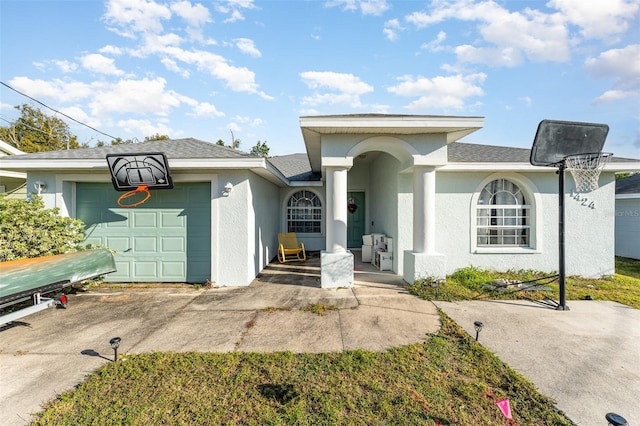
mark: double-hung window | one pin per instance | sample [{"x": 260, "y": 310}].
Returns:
[
  {"x": 304, "y": 213},
  {"x": 503, "y": 216}
]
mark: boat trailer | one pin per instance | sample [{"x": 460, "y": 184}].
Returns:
[{"x": 25, "y": 279}]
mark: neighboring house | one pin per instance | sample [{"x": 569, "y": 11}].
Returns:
[
  {"x": 628, "y": 217},
  {"x": 446, "y": 205},
  {"x": 12, "y": 184}
]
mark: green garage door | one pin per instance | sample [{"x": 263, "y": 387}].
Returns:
[{"x": 166, "y": 239}]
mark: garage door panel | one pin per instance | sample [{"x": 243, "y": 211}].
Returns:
[
  {"x": 173, "y": 244},
  {"x": 166, "y": 239},
  {"x": 144, "y": 219},
  {"x": 145, "y": 244}
]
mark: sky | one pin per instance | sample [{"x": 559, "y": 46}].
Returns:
[{"x": 251, "y": 69}]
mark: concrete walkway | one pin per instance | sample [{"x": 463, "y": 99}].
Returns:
[
  {"x": 53, "y": 350},
  {"x": 587, "y": 358}
]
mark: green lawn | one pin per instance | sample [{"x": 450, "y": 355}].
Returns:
[{"x": 447, "y": 379}]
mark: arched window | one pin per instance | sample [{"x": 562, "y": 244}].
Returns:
[
  {"x": 304, "y": 213},
  {"x": 503, "y": 217}
]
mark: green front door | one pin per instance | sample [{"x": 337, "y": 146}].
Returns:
[
  {"x": 355, "y": 219},
  {"x": 166, "y": 239}
]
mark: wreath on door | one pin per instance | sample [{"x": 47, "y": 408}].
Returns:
[{"x": 351, "y": 205}]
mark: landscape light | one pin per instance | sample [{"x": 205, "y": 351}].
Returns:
[
  {"x": 478, "y": 326},
  {"x": 115, "y": 342},
  {"x": 616, "y": 419}
]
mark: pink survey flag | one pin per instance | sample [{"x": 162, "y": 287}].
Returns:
[{"x": 505, "y": 407}]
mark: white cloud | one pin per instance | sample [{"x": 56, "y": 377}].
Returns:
[
  {"x": 128, "y": 17},
  {"x": 142, "y": 128},
  {"x": 195, "y": 16},
  {"x": 446, "y": 92},
  {"x": 620, "y": 65},
  {"x": 435, "y": 45},
  {"x": 615, "y": 95},
  {"x": 142, "y": 96},
  {"x": 247, "y": 46},
  {"x": 205, "y": 109},
  {"x": 100, "y": 64},
  {"x": 240, "y": 79},
  {"x": 512, "y": 35},
  {"x": 598, "y": 19},
  {"x": 367, "y": 7},
  {"x": 61, "y": 91},
  {"x": 111, "y": 50},
  {"x": 346, "y": 88},
  {"x": 391, "y": 28},
  {"x": 66, "y": 66},
  {"x": 172, "y": 65},
  {"x": 234, "y": 9}
]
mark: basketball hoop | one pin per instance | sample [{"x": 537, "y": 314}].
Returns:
[
  {"x": 586, "y": 168},
  {"x": 128, "y": 194}
]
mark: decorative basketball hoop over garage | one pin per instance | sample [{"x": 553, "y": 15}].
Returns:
[
  {"x": 576, "y": 147},
  {"x": 137, "y": 173}
]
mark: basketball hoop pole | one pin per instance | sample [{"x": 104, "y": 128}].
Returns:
[{"x": 562, "y": 306}]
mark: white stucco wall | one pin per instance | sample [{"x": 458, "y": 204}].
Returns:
[
  {"x": 589, "y": 245},
  {"x": 627, "y": 226},
  {"x": 264, "y": 223},
  {"x": 383, "y": 202}
]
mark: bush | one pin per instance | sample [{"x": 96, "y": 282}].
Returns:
[{"x": 27, "y": 230}]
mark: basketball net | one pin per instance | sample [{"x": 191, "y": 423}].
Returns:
[
  {"x": 586, "y": 168},
  {"x": 128, "y": 194}
]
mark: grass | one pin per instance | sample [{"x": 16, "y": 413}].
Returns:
[
  {"x": 448, "y": 379},
  {"x": 469, "y": 284}
]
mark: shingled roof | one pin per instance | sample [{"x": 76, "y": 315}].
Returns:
[
  {"x": 628, "y": 185},
  {"x": 172, "y": 148}
]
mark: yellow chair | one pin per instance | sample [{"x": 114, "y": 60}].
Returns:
[{"x": 289, "y": 249}]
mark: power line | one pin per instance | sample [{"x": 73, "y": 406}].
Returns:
[{"x": 55, "y": 110}]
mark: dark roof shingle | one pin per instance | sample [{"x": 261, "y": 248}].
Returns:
[
  {"x": 172, "y": 148},
  {"x": 628, "y": 185}
]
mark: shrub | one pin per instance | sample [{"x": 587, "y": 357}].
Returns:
[{"x": 28, "y": 230}]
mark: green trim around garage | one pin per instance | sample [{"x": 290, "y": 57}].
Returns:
[{"x": 166, "y": 239}]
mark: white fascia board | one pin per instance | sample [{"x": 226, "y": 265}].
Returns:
[
  {"x": 9, "y": 149},
  {"x": 49, "y": 164},
  {"x": 15, "y": 175},
  {"x": 627, "y": 196},
  {"x": 381, "y": 122},
  {"x": 623, "y": 166},
  {"x": 472, "y": 167}
]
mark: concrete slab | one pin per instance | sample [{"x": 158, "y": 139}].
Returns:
[
  {"x": 587, "y": 358},
  {"x": 295, "y": 331}
]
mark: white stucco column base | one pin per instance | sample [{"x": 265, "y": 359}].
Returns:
[
  {"x": 336, "y": 269},
  {"x": 423, "y": 265}
]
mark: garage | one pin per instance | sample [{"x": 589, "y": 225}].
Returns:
[{"x": 166, "y": 239}]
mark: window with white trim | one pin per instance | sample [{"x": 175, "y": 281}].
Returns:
[
  {"x": 304, "y": 213},
  {"x": 502, "y": 216}
]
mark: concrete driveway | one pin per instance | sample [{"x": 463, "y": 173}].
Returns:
[
  {"x": 587, "y": 358},
  {"x": 54, "y": 350}
]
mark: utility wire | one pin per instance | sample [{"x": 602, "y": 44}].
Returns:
[{"x": 55, "y": 110}]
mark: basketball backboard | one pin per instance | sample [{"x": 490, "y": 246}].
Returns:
[
  {"x": 132, "y": 170},
  {"x": 557, "y": 139}
]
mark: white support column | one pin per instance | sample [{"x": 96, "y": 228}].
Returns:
[
  {"x": 336, "y": 262},
  {"x": 336, "y": 209},
  {"x": 424, "y": 261},
  {"x": 424, "y": 210}
]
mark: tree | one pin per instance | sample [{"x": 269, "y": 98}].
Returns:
[
  {"x": 156, "y": 137},
  {"x": 34, "y": 131},
  {"x": 120, "y": 141},
  {"x": 27, "y": 230},
  {"x": 260, "y": 149}
]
